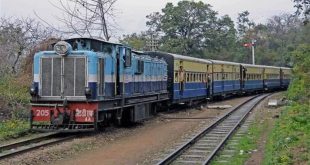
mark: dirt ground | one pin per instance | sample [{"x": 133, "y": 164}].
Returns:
[
  {"x": 154, "y": 137},
  {"x": 140, "y": 144}
]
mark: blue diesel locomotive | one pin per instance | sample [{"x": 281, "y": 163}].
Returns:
[{"x": 84, "y": 84}]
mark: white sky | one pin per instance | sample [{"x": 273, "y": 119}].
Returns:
[{"x": 131, "y": 13}]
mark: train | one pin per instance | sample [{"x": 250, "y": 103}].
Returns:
[{"x": 84, "y": 84}]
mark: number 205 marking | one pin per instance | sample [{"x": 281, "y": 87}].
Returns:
[{"x": 42, "y": 112}]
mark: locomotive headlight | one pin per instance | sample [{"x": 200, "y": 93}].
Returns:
[
  {"x": 87, "y": 91},
  {"x": 62, "y": 48},
  {"x": 33, "y": 91}
]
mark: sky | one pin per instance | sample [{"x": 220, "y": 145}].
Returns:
[{"x": 130, "y": 14}]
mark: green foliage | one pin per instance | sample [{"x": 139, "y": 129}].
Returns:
[
  {"x": 14, "y": 96},
  {"x": 299, "y": 90},
  {"x": 193, "y": 29},
  {"x": 12, "y": 128},
  {"x": 244, "y": 23},
  {"x": 136, "y": 41},
  {"x": 14, "y": 91},
  {"x": 185, "y": 24},
  {"x": 289, "y": 142}
]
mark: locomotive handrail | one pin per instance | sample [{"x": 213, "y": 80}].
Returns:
[{"x": 47, "y": 105}]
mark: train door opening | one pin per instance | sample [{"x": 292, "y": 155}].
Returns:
[
  {"x": 208, "y": 83},
  {"x": 181, "y": 77},
  {"x": 242, "y": 77},
  {"x": 281, "y": 78},
  {"x": 233, "y": 76},
  {"x": 118, "y": 83},
  {"x": 223, "y": 79},
  {"x": 264, "y": 79}
]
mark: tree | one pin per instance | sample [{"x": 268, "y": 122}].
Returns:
[
  {"x": 136, "y": 41},
  {"x": 17, "y": 37},
  {"x": 221, "y": 39},
  {"x": 154, "y": 22},
  {"x": 302, "y": 9},
  {"x": 244, "y": 24},
  {"x": 92, "y": 18},
  {"x": 184, "y": 26}
]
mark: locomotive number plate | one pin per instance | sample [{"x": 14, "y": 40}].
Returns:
[
  {"x": 84, "y": 115},
  {"x": 41, "y": 114}
]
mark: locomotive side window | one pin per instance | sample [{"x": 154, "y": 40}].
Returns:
[
  {"x": 95, "y": 46},
  {"x": 140, "y": 67},
  {"x": 107, "y": 48}
]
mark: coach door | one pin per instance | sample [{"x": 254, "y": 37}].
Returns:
[
  {"x": 242, "y": 76},
  {"x": 281, "y": 77},
  {"x": 263, "y": 78},
  {"x": 233, "y": 76},
  {"x": 182, "y": 76},
  {"x": 208, "y": 82},
  {"x": 223, "y": 78}
]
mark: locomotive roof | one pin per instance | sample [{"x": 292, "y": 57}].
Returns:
[
  {"x": 182, "y": 57},
  {"x": 93, "y": 39},
  {"x": 286, "y": 68},
  {"x": 190, "y": 58},
  {"x": 225, "y": 62},
  {"x": 261, "y": 66}
]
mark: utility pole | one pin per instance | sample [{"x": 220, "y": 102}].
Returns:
[
  {"x": 253, "y": 51},
  {"x": 153, "y": 43}
]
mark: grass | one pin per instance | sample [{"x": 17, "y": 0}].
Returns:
[
  {"x": 247, "y": 144},
  {"x": 14, "y": 89},
  {"x": 289, "y": 142},
  {"x": 14, "y": 98},
  {"x": 13, "y": 128}
]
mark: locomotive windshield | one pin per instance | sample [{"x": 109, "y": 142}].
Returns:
[{"x": 89, "y": 44}]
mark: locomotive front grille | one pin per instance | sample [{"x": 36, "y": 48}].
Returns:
[{"x": 63, "y": 76}]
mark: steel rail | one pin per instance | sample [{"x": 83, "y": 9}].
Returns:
[
  {"x": 208, "y": 160},
  {"x": 31, "y": 144},
  {"x": 187, "y": 145}
]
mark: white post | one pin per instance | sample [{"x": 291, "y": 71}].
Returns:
[{"x": 253, "y": 52}]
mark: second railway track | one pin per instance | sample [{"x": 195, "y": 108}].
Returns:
[
  {"x": 203, "y": 147},
  {"x": 32, "y": 144}
]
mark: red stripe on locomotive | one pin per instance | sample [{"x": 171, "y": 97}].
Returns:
[{"x": 79, "y": 112}]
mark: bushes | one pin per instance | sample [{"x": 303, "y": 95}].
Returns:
[
  {"x": 13, "y": 128},
  {"x": 289, "y": 142},
  {"x": 15, "y": 96},
  {"x": 14, "y": 89},
  {"x": 14, "y": 105}
]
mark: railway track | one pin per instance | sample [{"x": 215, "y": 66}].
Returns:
[
  {"x": 203, "y": 146},
  {"x": 32, "y": 144}
]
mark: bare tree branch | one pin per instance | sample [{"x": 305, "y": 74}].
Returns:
[{"x": 86, "y": 17}]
